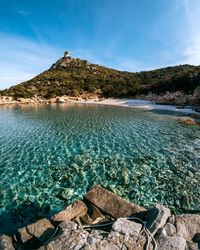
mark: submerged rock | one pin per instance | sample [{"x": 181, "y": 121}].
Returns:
[
  {"x": 187, "y": 121},
  {"x": 157, "y": 217},
  {"x": 112, "y": 204}
]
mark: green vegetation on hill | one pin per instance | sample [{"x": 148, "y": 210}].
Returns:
[{"x": 73, "y": 77}]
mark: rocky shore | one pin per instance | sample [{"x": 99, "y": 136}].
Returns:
[
  {"x": 152, "y": 101},
  {"x": 178, "y": 98},
  {"x": 5, "y": 100},
  {"x": 105, "y": 221}
]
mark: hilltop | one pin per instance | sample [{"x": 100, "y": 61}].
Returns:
[{"x": 75, "y": 77}]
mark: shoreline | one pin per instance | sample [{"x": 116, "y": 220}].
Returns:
[
  {"x": 140, "y": 104},
  {"x": 131, "y": 103}
]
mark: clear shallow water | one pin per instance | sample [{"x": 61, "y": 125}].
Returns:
[{"x": 50, "y": 155}]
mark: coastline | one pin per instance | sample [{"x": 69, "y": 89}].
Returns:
[
  {"x": 140, "y": 104},
  {"x": 131, "y": 103}
]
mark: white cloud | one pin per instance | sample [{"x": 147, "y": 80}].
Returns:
[
  {"x": 21, "y": 59},
  {"x": 22, "y": 12},
  {"x": 192, "y": 42},
  {"x": 13, "y": 77}
]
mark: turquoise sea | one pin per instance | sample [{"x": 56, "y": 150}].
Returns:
[{"x": 50, "y": 155}]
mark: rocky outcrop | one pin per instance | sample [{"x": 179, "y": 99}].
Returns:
[
  {"x": 9, "y": 100},
  {"x": 104, "y": 232},
  {"x": 187, "y": 121},
  {"x": 5, "y": 100},
  {"x": 178, "y": 98},
  {"x": 113, "y": 204}
]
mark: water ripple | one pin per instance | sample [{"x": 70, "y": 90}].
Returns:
[{"x": 51, "y": 155}]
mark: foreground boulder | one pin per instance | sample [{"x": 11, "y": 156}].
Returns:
[
  {"x": 157, "y": 217},
  {"x": 188, "y": 226},
  {"x": 112, "y": 204},
  {"x": 36, "y": 234},
  {"x": 76, "y": 209},
  {"x": 170, "y": 243},
  {"x": 127, "y": 227}
]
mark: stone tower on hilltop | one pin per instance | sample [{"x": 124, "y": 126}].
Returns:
[{"x": 66, "y": 54}]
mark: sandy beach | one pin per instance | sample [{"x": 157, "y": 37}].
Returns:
[{"x": 140, "y": 104}]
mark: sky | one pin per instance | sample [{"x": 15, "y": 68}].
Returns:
[{"x": 127, "y": 35}]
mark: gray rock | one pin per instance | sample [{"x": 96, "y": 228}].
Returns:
[
  {"x": 157, "y": 217},
  {"x": 112, "y": 204},
  {"x": 71, "y": 237},
  {"x": 109, "y": 246},
  {"x": 170, "y": 229},
  {"x": 188, "y": 225},
  {"x": 127, "y": 227},
  {"x": 61, "y": 242},
  {"x": 170, "y": 243},
  {"x": 6, "y": 243}
]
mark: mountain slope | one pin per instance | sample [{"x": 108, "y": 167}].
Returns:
[{"x": 73, "y": 77}]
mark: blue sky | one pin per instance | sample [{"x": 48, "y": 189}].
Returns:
[{"x": 128, "y": 35}]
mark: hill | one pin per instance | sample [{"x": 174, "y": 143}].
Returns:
[{"x": 73, "y": 77}]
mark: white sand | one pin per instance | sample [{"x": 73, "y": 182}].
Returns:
[{"x": 142, "y": 104}]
